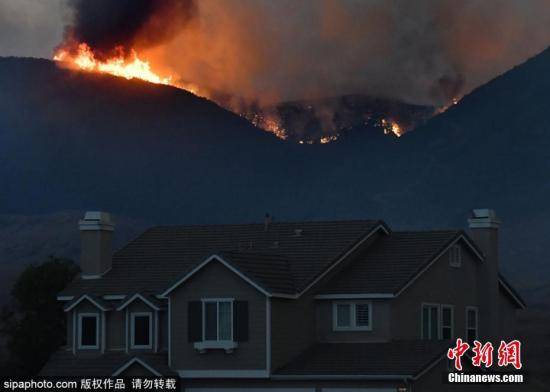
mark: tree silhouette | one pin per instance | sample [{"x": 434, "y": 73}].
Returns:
[{"x": 34, "y": 323}]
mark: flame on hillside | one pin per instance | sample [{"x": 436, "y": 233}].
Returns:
[{"x": 129, "y": 67}]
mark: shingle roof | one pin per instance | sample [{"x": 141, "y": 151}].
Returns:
[
  {"x": 368, "y": 359},
  {"x": 390, "y": 263},
  {"x": 272, "y": 272},
  {"x": 160, "y": 256},
  {"x": 64, "y": 363}
]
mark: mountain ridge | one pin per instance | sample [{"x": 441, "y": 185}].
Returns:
[{"x": 149, "y": 152}]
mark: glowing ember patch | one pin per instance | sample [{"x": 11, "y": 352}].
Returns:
[
  {"x": 328, "y": 139},
  {"x": 129, "y": 68},
  {"x": 390, "y": 126}
]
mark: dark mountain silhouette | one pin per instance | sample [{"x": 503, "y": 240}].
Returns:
[{"x": 74, "y": 141}]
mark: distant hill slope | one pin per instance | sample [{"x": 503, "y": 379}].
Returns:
[{"x": 72, "y": 141}]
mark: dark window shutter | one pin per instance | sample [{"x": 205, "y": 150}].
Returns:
[
  {"x": 240, "y": 321},
  {"x": 194, "y": 321}
]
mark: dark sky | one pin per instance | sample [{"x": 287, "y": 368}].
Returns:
[{"x": 422, "y": 51}]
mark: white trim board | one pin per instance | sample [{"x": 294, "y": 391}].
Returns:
[
  {"x": 133, "y": 316},
  {"x": 372, "y": 377},
  {"x": 509, "y": 291},
  {"x": 133, "y": 298},
  {"x": 354, "y": 296},
  {"x": 211, "y": 258},
  {"x": 257, "y": 389},
  {"x": 223, "y": 373},
  {"x": 82, "y": 298},
  {"x": 80, "y": 316},
  {"x": 131, "y": 362}
]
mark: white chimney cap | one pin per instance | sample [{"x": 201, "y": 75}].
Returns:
[
  {"x": 96, "y": 220},
  {"x": 483, "y": 218}
]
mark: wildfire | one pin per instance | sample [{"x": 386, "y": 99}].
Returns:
[
  {"x": 118, "y": 65},
  {"x": 391, "y": 126},
  {"x": 82, "y": 57}
]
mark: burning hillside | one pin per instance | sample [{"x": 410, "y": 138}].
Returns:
[
  {"x": 97, "y": 41},
  {"x": 305, "y": 122}
]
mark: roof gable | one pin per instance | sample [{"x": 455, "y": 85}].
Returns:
[
  {"x": 393, "y": 263},
  {"x": 97, "y": 302},
  {"x": 133, "y": 361},
  {"x": 137, "y": 296},
  {"x": 511, "y": 293},
  {"x": 210, "y": 259}
]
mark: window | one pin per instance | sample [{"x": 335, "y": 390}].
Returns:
[
  {"x": 352, "y": 316},
  {"x": 471, "y": 323},
  {"x": 218, "y": 320},
  {"x": 447, "y": 321},
  {"x": 141, "y": 330},
  {"x": 88, "y": 328},
  {"x": 430, "y": 321},
  {"x": 455, "y": 256}
]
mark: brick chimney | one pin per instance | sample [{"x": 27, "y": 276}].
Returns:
[
  {"x": 484, "y": 229},
  {"x": 96, "y": 233}
]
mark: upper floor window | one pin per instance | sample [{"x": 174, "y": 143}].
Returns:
[
  {"x": 217, "y": 323},
  {"x": 455, "y": 256},
  {"x": 447, "y": 322},
  {"x": 217, "y": 319},
  {"x": 141, "y": 330},
  {"x": 354, "y": 316},
  {"x": 471, "y": 323},
  {"x": 88, "y": 330},
  {"x": 430, "y": 321},
  {"x": 437, "y": 322}
]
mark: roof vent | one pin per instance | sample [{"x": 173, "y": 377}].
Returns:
[{"x": 298, "y": 232}]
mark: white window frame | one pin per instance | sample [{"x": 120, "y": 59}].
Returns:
[
  {"x": 353, "y": 315},
  {"x": 431, "y": 305},
  {"x": 217, "y": 301},
  {"x": 441, "y": 326},
  {"x": 455, "y": 256},
  {"x": 79, "y": 324},
  {"x": 133, "y": 316},
  {"x": 476, "y": 310}
]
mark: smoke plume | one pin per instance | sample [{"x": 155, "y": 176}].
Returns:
[
  {"x": 121, "y": 25},
  {"x": 424, "y": 51}
]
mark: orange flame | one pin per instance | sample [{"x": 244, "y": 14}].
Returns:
[
  {"x": 391, "y": 126},
  {"x": 129, "y": 68},
  {"x": 133, "y": 67}
]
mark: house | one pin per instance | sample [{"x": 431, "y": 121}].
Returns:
[{"x": 291, "y": 306}]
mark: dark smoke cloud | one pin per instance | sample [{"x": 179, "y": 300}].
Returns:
[
  {"x": 421, "y": 51},
  {"x": 106, "y": 25}
]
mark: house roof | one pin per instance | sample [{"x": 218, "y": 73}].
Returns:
[
  {"x": 293, "y": 254},
  {"x": 396, "y": 358},
  {"x": 509, "y": 290},
  {"x": 64, "y": 363},
  {"x": 392, "y": 262}
]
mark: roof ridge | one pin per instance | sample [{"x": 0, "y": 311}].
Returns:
[
  {"x": 427, "y": 231},
  {"x": 275, "y": 222}
]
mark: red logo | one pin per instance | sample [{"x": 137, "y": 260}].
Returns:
[
  {"x": 483, "y": 354},
  {"x": 457, "y": 352},
  {"x": 509, "y": 354}
]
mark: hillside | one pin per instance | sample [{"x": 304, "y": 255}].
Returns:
[{"x": 73, "y": 141}]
